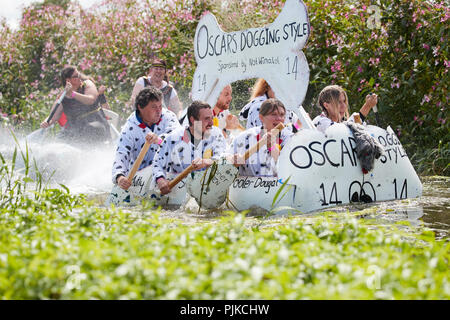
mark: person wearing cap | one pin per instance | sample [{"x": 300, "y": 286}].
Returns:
[
  {"x": 157, "y": 77},
  {"x": 149, "y": 122}
]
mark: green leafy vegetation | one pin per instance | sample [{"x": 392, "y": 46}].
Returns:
[{"x": 54, "y": 245}]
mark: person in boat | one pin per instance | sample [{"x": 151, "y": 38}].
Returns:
[
  {"x": 101, "y": 102},
  {"x": 85, "y": 122},
  {"x": 250, "y": 112},
  {"x": 187, "y": 145},
  {"x": 102, "y": 98},
  {"x": 262, "y": 162},
  {"x": 223, "y": 119},
  {"x": 158, "y": 78},
  {"x": 333, "y": 101},
  {"x": 148, "y": 122}
]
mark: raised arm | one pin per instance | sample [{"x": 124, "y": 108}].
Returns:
[{"x": 89, "y": 96}]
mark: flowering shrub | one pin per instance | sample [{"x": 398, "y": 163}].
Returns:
[{"x": 395, "y": 48}]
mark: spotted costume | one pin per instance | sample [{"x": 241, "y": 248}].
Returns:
[
  {"x": 132, "y": 139},
  {"x": 250, "y": 112},
  {"x": 322, "y": 122},
  {"x": 261, "y": 162},
  {"x": 179, "y": 149}
]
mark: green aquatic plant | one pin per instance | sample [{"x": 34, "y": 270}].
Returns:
[
  {"x": 94, "y": 253},
  {"x": 22, "y": 186}
]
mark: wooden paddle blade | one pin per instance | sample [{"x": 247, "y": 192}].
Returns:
[{"x": 118, "y": 197}]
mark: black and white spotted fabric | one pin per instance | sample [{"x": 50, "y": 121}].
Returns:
[
  {"x": 253, "y": 108},
  {"x": 222, "y": 118},
  {"x": 261, "y": 162},
  {"x": 132, "y": 139},
  {"x": 244, "y": 115},
  {"x": 322, "y": 122},
  {"x": 175, "y": 154}
]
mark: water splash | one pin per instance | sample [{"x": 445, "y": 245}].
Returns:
[{"x": 82, "y": 170}]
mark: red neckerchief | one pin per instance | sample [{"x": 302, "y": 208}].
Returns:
[
  {"x": 143, "y": 125},
  {"x": 214, "y": 113}
]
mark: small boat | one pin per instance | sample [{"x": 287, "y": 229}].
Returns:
[
  {"x": 320, "y": 170},
  {"x": 141, "y": 189}
]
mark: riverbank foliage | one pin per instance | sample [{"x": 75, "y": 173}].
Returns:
[
  {"x": 54, "y": 245},
  {"x": 395, "y": 48}
]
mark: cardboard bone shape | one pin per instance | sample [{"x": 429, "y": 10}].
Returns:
[{"x": 273, "y": 52}]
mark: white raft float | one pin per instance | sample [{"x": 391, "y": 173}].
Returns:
[
  {"x": 140, "y": 190},
  {"x": 315, "y": 170},
  {"x": 323, "y": 171}
]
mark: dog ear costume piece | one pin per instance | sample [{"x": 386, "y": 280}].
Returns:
[{"x": 367, "y": 148}]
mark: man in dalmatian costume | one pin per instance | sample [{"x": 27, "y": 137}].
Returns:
[
  {"x": 149, "y": 122},
  {"x": 187, "y": 145},
  {"x": 263, "y": 162},
  {"x": 223, "y": 119}
]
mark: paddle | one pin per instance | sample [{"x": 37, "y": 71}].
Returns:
[
  {"x": 39, "y": 134},
  {"x": 207, "y": 155},
  {"x": 119, "y": 195},
  {"x": 377, "y": 116},
  {"x": 260, "y": 143},
  {"x": 213, "y": 194}
]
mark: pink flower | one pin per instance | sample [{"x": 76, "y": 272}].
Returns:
[
  {"x": 425, "y": 99},
  {"x": 360, "y": 69},
  {"x": 336, "y": 66},
  {"x": 426, "y": 47}
]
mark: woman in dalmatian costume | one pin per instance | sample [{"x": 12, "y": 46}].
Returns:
[
  {"x": 263, "y": 162},
  {"x": 333, "y": 101},
  {"x": 186, "y": 145},
  {"x": 149, "y": 122},
  {"x": 260, "y": 93}
]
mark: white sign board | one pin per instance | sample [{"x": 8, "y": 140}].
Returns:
[
  {"x": 326, "y": 170},
  {"x": 272, "y": 52}
]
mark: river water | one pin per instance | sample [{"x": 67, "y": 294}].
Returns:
[{"x": 89, "y": 172}]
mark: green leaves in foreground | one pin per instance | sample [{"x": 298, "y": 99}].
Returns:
[{"x": 100, "y": 254}]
